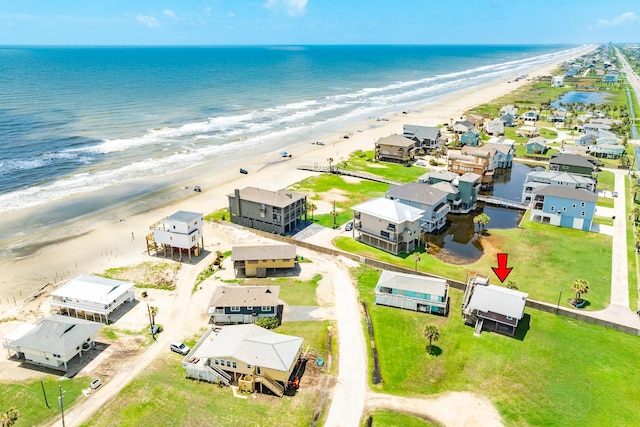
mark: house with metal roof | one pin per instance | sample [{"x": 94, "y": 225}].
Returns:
[
  {"x": 493, "y": 308},
  {"x": 180, "y": 232},
  {"x": 462, "y": 190},
  {"x": 431, "y": 200},
  {"x": 572, "y": 163},
  {"x": 253, "y": 356},
  {"x": 412, "y": 292},
  {"x": 387, "y": 224},
  {"x": 564, "y": 207},
  {"x": 427, "y": 137},
  {"x": 260, "y": 260},
  {"x": 494, "y": 127},
  {"x": 53, "y": 341},
  {"x": 271, "y": 211},
  {"x": 92, "y": 297},
  {"x": 505, "y": 150},
  {"x": 538, "y": 179},
  {"x": 536, "y": 145},
  {"x": 232, "y": 304}
]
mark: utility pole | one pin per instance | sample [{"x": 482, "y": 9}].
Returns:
[{"x": 61, "y": 403}]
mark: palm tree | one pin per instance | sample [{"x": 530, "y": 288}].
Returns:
[
  {"x": 312, "y": 208},
  {"x": 153, "y": 310},
  {"x": 9, "y": 418},
  {"x": 417, "y": 258},
  {"x": 580, "y": 287},
  {"x": 432, "y": 333},
  {"x": 482, "y": 220},
  {"x": 330, "y": 160}
]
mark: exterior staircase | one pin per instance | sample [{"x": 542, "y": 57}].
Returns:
[
  {"x": 271, "y": 384},
  {"x": 478, "y": 330},
  {"x": 222, "y": 375}
]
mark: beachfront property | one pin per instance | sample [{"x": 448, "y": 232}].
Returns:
[
  {"x": 564, "y": 207},
  {"x": 271, "y": 211},
  {"x": 536, "y": 145},
  {"x": 571, "y": 163},
  {"x": 233, "y": 304},
  {"x": 387, "y": 224},
  {"x": 470, "y": 137},
  {"x": 492, "y": 308},
  {"x": 263, "y": 260},
  {"x": 508, "y": 120},
  {"x": 52, "y": 342},
  {"x": 494, "y": 127},
  {"x": 253, "y": 357},
  {"x": 426, "y": 197},
  {"x": 395, "y": 149},
  {"x": 462, "y": 126},
  {"x": 527, "y": 131},
  {"x": 505, "y": 150},
  {"x": 557, "y": 81},
  {"x": 478, "y": 160},
  {"x": 181, "y": 231},
  {"x": 538, "y": 179},
  {"x": 428, "y": 138},
  {"x": 509, "y": 109},
  {"x": 462, "y": 190},
  {"x": 92, "y": 297},
  {"x": 412, "y": 292}
]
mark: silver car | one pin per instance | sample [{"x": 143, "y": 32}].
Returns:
[{"x": 180, "y": 347}]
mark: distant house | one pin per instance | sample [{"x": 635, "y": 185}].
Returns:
[
  {"x": 180, "y": 231},
  {"x": 491, "y": 307},
  {"x": 426, "y": 197},
  {"x": 610, "y": 78},
  {"x": 388, "y": 224},
  {"x": 528, "y": 131},
  {"x": 470, "y": 137},
  {"x": 536, "y": 180},
  {"x": 572, "y": 163},
  {"x": 504, "y": 152},
  {"x": 530, "y": 116},
  {"x": 509, "y": 109},
  {"x": 508, "y": 120},
  {"x": 585, "y": 140},
  {"x": 564, "y": 207},
  {"x": 260, "y": 260},
  {"x": 427, "y": 137},
  {"x": 557, "y": 81},
  {"x": 606, "y": 150},
  {"x": 596, "y": 128},
  {"x": 537, "y": 145},
  {"x": 53, "y": 341},
  {"x": 463, "y": 126},
  {"x": 92, "y": 297},
  {"x": 256, "y": 357},
  {"x": 395, "y": 149},
  {"x": 412, "y": 292},
  {"x": 243, "y": 304},
  {"x": 462, "y": 190},
  {"x": 478, "y": 160},
  {"x": 494, "y": 127},
  {"x": 558, "y": 116},
  {"x": 271, "y": 211}
]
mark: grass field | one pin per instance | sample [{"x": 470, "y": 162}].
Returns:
[
  {"x": 384, "y": 418},
  {"x": 559, "y": 372},
  {"x": 292, "y": 291},
  {"x": 162, "y": 396}
]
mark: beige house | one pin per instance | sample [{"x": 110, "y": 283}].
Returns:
[
  {"x": 388, "y": 224},
  {"x": 180, "y": 232},
  {"x": 396, "y": 149},
  {"x": 259, "y": 260},
  {"x": 253, "y": 356},
  {"x": 272, "y": 211},
  {"x": 479, "y": 160}
]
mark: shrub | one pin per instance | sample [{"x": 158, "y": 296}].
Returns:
[{"x": 269, "y": 322}]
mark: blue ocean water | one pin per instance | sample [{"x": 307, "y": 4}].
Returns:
[{"x": 74, "y": 120}]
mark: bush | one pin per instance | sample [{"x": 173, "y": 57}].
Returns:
[{"x": 269, "y": 322}]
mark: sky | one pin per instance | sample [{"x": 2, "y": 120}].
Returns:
[{"x": 307, "y": 22}]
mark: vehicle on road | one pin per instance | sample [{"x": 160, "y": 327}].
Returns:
[
  {"x": 95, "y": 383},
  {"x": 243, "y": 171},
  {"x": 197, "y": 189},
  {"x": 348, "y": 226},
  {"x": 614, "y": 194},
  {"x": 319, "y": 142},
  {"x": 180, "y": 347}
]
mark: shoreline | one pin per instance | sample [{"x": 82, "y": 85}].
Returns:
[{"x": 115, "y": 236}]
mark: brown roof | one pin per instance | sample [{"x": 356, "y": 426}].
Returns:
[
  {"x": 279, "y": 198},
  {"x": 397, "y": 141},
  {"x": 257, "y": 252},
  {"x": 245, "y": 296}
]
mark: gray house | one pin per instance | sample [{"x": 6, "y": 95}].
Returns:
[
  {"x": 426, "y": 197},
  {"x": 413, "y": 292},
  {"x": 427, "y": 137},
  {"x": 244, "y": 304}
]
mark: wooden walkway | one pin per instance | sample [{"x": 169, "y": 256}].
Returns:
[
  {"x": 497, "y": 201},
  {"x": 345, "y": 172}
]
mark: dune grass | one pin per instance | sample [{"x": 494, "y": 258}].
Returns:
[{"x": 556, "y": 371}]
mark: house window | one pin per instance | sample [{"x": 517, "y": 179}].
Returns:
[
  {"x": 573, "y": 206},
  {"x": 509, "y": 318},
  {"x": 582, "y": 204},
  {"x": 235, "y": 308},
  {"x": 234, "y": 365},
  {"x": 391, "y": 226},
  {"x": 228, "y": 363},
  {"x": 216, "y": 361},
  {"x": 250, "y": 307},
  {"x": 384, "y": 234},
  {"x": 248, "y": 366},
  {"x": 552, "y": 208},
  {"x": 583, "y": 213},
  {"x": 265, "y": 309},
  {"x": 564, "y": 209}
]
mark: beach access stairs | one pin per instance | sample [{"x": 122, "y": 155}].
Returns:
[{"x": 356, "y": 174}]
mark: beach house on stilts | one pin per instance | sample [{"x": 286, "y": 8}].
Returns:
[{"x": 181, "y": 232}]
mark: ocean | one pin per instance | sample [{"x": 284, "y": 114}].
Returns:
[{"x": 83, "y": 128}]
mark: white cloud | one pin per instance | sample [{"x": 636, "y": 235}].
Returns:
[
  {"x": 148, "y": 21},
  {"x": 625, "y": 19},
  {"x": 171, "y": 14},
  {"x": 291, "y": 7}
]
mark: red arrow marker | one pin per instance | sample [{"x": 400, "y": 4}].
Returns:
[{"x": 502, "y": 271}]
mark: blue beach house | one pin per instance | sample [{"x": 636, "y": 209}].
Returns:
[
  {"x": 412, "y": 292},
  {"x": 564, "y": 207},
  {"x": 470, "y": 137}
]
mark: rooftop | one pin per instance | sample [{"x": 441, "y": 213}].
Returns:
[
  {"x": 390, "y": 210},
  {"x": 258, "y": 252},
  {"x": 280, "y": 198},
  {"x": 244, "y": 296}
]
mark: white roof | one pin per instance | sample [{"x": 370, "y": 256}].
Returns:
[
  {"x": 412, "y": 282},
  {"x": 94, "y": 289},
  {"x": 499, "y": 300},
  {"x": 390, "y": 210},
  {"x": 21, "y": 330}
]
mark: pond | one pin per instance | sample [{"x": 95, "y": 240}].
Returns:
[
  {"x": 586, "y": 97},
  {"x": 458, "y": 243}
]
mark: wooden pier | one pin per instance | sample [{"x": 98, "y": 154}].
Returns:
[
  {"x": 497, "y": 201},
  {"x": 345, "y": 172}
]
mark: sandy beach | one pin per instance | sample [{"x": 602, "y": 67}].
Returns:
[{"x": 116, "y": 237}]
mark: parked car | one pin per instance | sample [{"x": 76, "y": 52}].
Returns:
[
  {"x": 244, "y": 171},
  {"x": 319, "y": 143},
  {"x": 348, "y": 226},
  {"x": 180, "y": 347},
  {"x": 614, "y": 194},
  {"x": 197, "y": 189},
  {"x": 95, "y": 383}
]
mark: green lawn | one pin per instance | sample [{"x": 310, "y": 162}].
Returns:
[
  {"x": 362, "y": 161},
  {"x": 162, "y": 396},
  {"x": 606, "y": 180},
  {"x": 384, "y": 418},
  {"x": 560, "y": 373},
  {"x": 292, "y": 291},
  {"x": 28, "y": 399},
  {"x": 544, "y": 258},
  {"x": 605, "y": 202}
]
